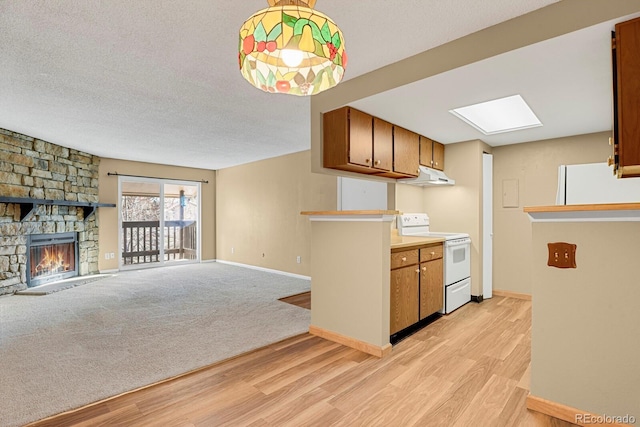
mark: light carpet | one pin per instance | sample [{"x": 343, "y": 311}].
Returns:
[{"x": 70, "y": 348}]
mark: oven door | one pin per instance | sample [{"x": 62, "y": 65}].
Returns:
[{"x": 457, "y": 260}]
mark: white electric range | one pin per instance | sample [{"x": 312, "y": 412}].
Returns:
[{"x": 457, "y": 258}]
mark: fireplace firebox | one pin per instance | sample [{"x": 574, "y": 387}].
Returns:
[{"x": 51, "y": 257}]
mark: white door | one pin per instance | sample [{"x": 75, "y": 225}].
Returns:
[{"x": 487, "y": 225}]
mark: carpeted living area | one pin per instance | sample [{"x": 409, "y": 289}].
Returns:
[{"x": 69, "y": 348}]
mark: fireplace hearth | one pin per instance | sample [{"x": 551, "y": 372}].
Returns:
[{"x": 51, "y": 257}]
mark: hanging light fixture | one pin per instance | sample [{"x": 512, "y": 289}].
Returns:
[{"x": 291, "y": 48}]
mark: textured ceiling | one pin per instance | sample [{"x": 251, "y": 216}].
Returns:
[{"x": 158, "y": 80}]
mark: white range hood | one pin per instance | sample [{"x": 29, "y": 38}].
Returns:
[{"x": 429, "y": 176}]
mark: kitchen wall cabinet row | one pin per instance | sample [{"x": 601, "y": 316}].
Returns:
[
  {"x": 358, "y": 142},
  {"x": 417, "y": 285},
  {"x": 626, "y": 92}
]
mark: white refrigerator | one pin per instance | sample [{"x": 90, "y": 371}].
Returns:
[{"x": 594, "y": 183}]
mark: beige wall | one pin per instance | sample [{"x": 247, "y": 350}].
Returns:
[
  {"x": 409, "y": 198},
  {"x": 585, "y": 346},
  {"x": 535, "y": 166},
  {"x": 108, "y": 193},
  {"x": 351, "y": 272},
  {"x": 258, "y": 211}
]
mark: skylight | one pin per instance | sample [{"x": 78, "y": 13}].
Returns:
[{"x": 500, "y": 115}]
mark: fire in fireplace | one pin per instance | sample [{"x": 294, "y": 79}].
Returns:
[{"x": 51, "y": 257}]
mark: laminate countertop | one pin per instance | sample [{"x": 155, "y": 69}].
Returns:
[{"x": 398, "y": 242}]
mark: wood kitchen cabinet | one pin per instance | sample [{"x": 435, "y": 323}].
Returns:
[
  {"x": 417, "y": 285},
  {"x": 404, "y": 298},
  {"x": 431, "y": 153},
  {"x": 626, "y": 92},
  {"x": 404, "y": 292},
  {"x": 382, "y": 145},
  {"x": 438, "y": 156},
  {"x": 358, "y": 142},
  {"x": 406, "y": 149},
  {"x": 431, "y": 280}
]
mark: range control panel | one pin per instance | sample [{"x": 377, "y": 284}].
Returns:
[{"x": 413, "y": 220}]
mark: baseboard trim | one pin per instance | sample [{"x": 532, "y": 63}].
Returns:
[
  {"x": 111, "y": 271},
  {"x": 510, "y": 294},
  {"x": 365, "y": 347},
  {"x": 268, "y": 270},
  {"x": 568, "y": 413}
]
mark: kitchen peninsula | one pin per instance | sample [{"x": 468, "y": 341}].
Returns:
[
  {"x": 584, "y": 337},
  {"x": 351, "y": 276}
]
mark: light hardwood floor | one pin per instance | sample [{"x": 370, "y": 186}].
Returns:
[
  {"x": 470, "y": 368},
  {"x": 301, "y": 300}
]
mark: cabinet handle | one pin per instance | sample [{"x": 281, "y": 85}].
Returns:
[
  {"x": 610, "y": 161},
  {"x": 436, "y": 163},
  {"x": 610, "y": 141},
  {"x": 431, "y": 161},
  {"x": 377, "y": 162},
  {"x": 418, "y": 270},
  {"x": 367, "y": 160},
  {"x": 404, "y": 258},
  {"x": 424, "y": 268}
]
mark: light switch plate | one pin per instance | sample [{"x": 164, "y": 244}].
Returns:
[{"x": 562, "y": 255}]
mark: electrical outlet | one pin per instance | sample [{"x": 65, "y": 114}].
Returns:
[
  {"x": 298, "y": 259},
  {"x": 112, "y": 255},
  {"x": 232, "y": 250},
  {"x": 106, "y": 255}
]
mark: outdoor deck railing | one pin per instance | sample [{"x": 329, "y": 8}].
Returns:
[{"x": 141, "y": 241}]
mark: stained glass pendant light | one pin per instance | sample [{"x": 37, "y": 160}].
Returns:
[{"x": 291, "y": 48}]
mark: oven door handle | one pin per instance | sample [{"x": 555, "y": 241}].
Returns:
[{"x": 460, "y": 243}]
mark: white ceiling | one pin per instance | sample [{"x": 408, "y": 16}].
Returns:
[
  {"x": 158, "y": 80},
  {"x": 567, "y": 81}
]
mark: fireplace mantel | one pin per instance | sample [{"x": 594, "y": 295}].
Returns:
[{"x": 28, "y": 205}]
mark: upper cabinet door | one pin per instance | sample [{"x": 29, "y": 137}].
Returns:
[
  {"x": 382, "y": 144},
  {"x": 438, "y": 156},
  {"x": 627, "y": 54},
  {"x": 406, "y": 151},
  {"x": 426, "y": 151},
  {"x": 360, "y": 138}
]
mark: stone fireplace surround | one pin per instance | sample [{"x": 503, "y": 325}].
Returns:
[{"x": 32, "y": 168}]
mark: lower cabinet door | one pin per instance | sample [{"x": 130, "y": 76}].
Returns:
[
  {"x": 431, "y": 287},
  {"x": 404, "y": 297}
]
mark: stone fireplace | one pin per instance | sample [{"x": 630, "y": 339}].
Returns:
[{"x": 38, "y": 170}]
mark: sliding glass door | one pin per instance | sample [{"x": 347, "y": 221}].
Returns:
[
  {"x": 140, "y": 212},
  {"x": 180, "y": 222},
  {"x": 160, "y": 221}
]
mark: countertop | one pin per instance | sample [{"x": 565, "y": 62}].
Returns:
[
  {"x": 578, "y": 208},
  {"x": 349, "y": 213},
  {"x": 594, "y": 212},
  {"x": 408, "y": 241}
]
